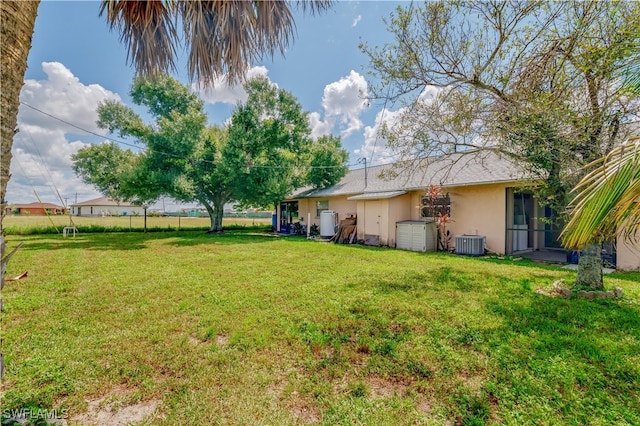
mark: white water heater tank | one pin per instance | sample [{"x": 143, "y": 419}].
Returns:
[{"x": 327, "y": 223}]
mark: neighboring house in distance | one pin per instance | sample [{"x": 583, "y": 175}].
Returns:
[
  {"x": 36, "y": 208},
  {"x": 487, "y": 197},
  {"x": 105, "y": 207}
]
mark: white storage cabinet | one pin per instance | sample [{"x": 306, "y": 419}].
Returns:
[{"x": 416, "y": 235}]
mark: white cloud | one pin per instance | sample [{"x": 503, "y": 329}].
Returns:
[
  {"x": 430, "y": 93},
  {"x": 64, "y": 96},
  {"x": 403, "y": 125},
  {"x": 221, "y": 92},
  {"x": 344, "y": 100},
  {"x": 356, "y": 20},
  {"x": 43, "y": 147},
  {"x": 318, "y": 126},
  {"x": 375, "y": 148}
]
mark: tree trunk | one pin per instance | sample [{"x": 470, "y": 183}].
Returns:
[
  {"x": 590, "y": 269},
  {"x": 215, "y": 211},
  {"x": 18, "y": 20},
  {"x": 16, "y": 30},
  {"x": 216, "y": 218}
]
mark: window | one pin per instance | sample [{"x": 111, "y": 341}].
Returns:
[
  {"x": 321, "y": 206},
  {"x": 435, "y": 207}
]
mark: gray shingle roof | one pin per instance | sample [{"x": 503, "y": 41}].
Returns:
[{"x": 459, "y": 169}]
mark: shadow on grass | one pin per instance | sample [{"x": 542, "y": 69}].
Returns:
[
  {"x": 590, "y": 342},
  {"x": 124, "y": 241}
]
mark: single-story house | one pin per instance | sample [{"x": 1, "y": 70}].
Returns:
[
  {"x": 35, "y": 208},
  {"x": 105, "y": 206},
  {"x": 486, "y": 194}
]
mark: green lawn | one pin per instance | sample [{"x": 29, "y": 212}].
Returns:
[
  {"x": 246, "y": 328},
  {"x": 35, "y": 224}
]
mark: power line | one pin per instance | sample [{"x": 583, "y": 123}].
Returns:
[
  {"x": 386, "y": 99},
  {"x": 44, "y": 164},
  {"x": 168, "y": 154}
]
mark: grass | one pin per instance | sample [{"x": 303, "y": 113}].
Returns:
[
  {"x": 30, "y": 225},
  {"x": 244, "y": 328}
]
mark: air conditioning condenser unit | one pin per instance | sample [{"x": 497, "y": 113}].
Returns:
[{"x": 471, "y": 245}]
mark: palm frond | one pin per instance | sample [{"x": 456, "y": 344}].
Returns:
[
  {"x": 226, "y": 36},
  {"x": 148, "y": 29},
  {"x": 314, "y": 6},
  {"x": 632, "y": 76},
  {"x": 220, "y": 36},
  {"x": 607, "y": 200}
]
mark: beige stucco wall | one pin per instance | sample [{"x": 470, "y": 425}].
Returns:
[
  {"x": 480, "y": 210},
  {"x": 344, "y": 207},
  {"x": 475, "y": 210},
  {"x": 304, "y": 207},
  {"x": 400, "y": 208},
  {"x": 379, "y": 217},
  {"x": 627, "y": 256},
  {"x": 307, "y": 209}
]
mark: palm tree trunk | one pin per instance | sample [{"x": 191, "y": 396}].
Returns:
[
  {"x": 16, "y": 30},
  {"x": 590, "y": 269},
  {"x": 18, "y": 20}
]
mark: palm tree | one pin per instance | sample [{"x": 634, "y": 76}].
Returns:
[
  {"x": 221, "y": 37},
  {"x": 607, "y": 202},
  {"x": 18, "y": 19}
]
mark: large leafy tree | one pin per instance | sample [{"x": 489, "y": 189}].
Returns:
[
  {"x": 537, "y": 81},
  {"x": 606, "y": 202},
  {"x": 270, "y": 151},
  {"x": 105, "y": 166},
  {"x": 219, "y": 37},
  {"x": 264, "y": 154},
  {"x": 182, "y": 157},
  {"x": 328, "y": 162}
]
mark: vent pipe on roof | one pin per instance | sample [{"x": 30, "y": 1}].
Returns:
[{"x": 364, "y": 160}]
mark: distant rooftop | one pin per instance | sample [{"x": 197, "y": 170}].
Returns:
[
  {"x": 35, "y": 205},
  {"x": 103, "y": 202}
]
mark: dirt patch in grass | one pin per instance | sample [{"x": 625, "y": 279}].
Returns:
[
  {"x": 380, "y": 387},
  {"x": 110, "y": 410},
  {"x": 305, "y": 413},
  {"x": 195, "y": 341},
  {"x": 424, "y": 406},
  {"x": 473, "y": 382},
  {"x": 222, "y": 340}
]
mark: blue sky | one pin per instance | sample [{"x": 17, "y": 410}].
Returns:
[{"x": 76, "y": 62}]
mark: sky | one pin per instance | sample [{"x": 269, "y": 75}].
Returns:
[{"x": 76, "y": 62}]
